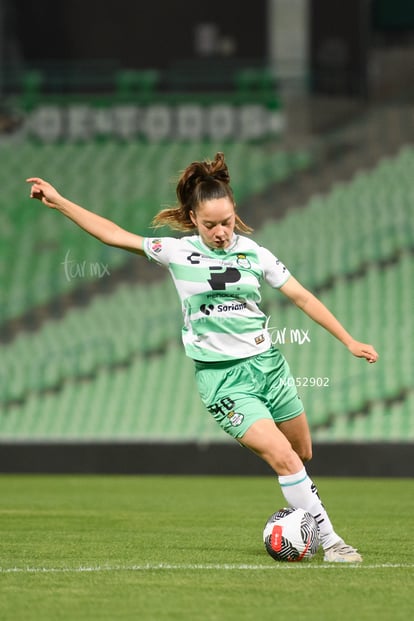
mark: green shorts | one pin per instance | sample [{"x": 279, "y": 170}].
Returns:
[{"x": 240, "y": 392}]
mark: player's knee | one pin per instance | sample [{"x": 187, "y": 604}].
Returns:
[
  {"x": 285, "y": 462},
  {"x": 306, "y": 454}
]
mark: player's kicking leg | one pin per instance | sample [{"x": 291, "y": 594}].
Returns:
[{"x": 276, "y": 446}]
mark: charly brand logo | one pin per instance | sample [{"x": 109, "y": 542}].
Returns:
[
  {"x": 84, "y": 269},
  {"x": 281, "y": 336},
  {"x": 194, "y": 258}
]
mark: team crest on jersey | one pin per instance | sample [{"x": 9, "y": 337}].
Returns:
[
  {"x": 243, "y": 261},
  {"x": 235, "y": 418},
  {"x": 156, "y": 245}
]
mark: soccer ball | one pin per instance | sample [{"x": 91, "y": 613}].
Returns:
[{"x": 291, "y": 535}]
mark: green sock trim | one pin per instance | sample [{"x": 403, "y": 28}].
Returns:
[{"x": 295, "y": 483}]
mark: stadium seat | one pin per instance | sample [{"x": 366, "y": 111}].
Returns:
[
  {"x": 99, "y": 368},
  {"x": 132, "y": 83}
]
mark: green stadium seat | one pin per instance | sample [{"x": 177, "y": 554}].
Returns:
[
  {"x": 131, "y": 83},
  {"x": 104, "y": 370},
  {"x": 31, "y": 85}
]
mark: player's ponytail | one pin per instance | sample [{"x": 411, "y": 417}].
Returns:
[{"x": 199, "y": 182}]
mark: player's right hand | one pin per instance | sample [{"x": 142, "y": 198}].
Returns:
[{"x": 44, "y": 192}]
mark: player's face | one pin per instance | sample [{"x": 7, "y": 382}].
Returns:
[{"x": 215, "y": 220}]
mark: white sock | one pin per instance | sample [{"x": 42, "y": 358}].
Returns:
[{"x": 300, "y": 491}]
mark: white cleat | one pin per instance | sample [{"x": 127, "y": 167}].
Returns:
[{"x": 342, "y": 553}]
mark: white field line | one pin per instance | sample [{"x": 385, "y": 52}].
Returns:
[{"x": 201, "y": 567}]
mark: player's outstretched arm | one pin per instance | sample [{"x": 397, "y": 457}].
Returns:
[
  {"x": 317, "y": 311},
  {"x": 103, "y": 229}
]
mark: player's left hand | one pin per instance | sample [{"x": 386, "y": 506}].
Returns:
[{"x": 363, "y": 350}]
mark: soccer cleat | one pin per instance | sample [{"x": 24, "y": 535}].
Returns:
[{"x": 342, "y": 553}]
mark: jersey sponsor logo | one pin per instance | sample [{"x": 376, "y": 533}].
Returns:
[
  {"x": 207, "y": 309},
  {"x": 280, "y": 264},
  {"x": 221, "y": 276},
  {"x": 234, "y": 306}
]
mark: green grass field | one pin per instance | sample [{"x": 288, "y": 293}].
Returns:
[{"x": 190, "y": 548}]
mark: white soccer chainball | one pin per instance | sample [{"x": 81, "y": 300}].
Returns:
[{"x": 291, "y": 535}]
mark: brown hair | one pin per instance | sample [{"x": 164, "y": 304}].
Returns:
[{"x": 199, "y": 182}]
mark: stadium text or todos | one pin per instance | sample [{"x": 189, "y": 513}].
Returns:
[{"x": 153, "y": 123}]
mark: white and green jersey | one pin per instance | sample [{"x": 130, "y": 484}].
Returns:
[{"x": 220, "y": 292}]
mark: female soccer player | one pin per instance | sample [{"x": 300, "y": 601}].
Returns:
[{"x": 241, "y": 377}]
